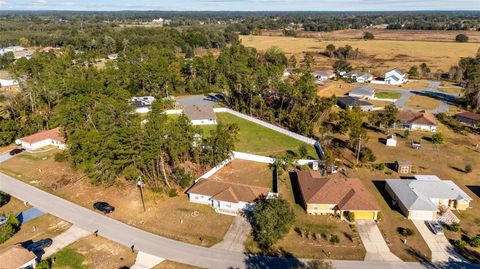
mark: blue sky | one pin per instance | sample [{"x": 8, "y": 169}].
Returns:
[{"x": 241, "y": 5}]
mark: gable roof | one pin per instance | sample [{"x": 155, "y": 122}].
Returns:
[
  {"x": 414, "y": 117},
  {"x": 416, "y": 194},
  {"x": 199, "y": 112},
  {"x": 398, "y": 71},
  {"x": 469, "y": 115},
  {"x": 226, "y": 191},
  {"x": 142, "y": 101},
  {"x": 54, "y": 134},
  {"x": 363, "y": 91},
  {"x": 15, "y": 256},
  {"x": 351, "y": 101},
  {"x": 345, "y": 193}
]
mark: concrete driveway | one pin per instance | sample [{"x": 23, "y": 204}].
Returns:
[
  {"x": 6, "y": 156},
  {"x": 442, "y": 250},
  {"x": 71, "y": 235},
  {"x": 375, "y": 245},
  {"x": 236, "y": 235}
]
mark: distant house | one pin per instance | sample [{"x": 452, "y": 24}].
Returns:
[
  {"x": 112, "y": 56},
  {"x": 200, "y": 114},
  {"x": 42, "y": 139},
  {"x": 142, "y": 104},
  {"x": 339, "y": 196},
  {"x": 391, "y": 141},
  {"x": 358, "y": 76},
  {"x": 468, "y": 118},
  {"x": 348, "y": 102},
  {"x": 421, "y": 198},
  {"x": 12, "y": 49},
  {"x": 323, "y": 75},
  {"x": 363, "y": 92},
  {"x": 395, "y": 77},
  {"x": 8, "y": 84},
  {"x": 412, "y": 120},
  {"x": 225, "y": 197},
  {"x": 17, "y": 257},
  {"x": 403, "y": 167}
]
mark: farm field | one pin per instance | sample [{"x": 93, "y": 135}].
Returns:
[
  {"x": 260, "y": 140},
  {"x": 170, "y": 217},
  {"x": 380, "y": 55},
  {"x": 447, "y": 161}
]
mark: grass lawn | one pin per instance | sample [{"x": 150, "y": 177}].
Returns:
[
  {"x": 170, "y": 217},
  {"x": 69, "y": 258},
  {"x": 387, "y": 95},
  {"x": 377, "y": 103},
  {"x": 256, "y": 139},
  {"x": 422, "y": 102}
]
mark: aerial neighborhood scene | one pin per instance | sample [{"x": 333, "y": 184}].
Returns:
[{"x": 233, "y": 134}]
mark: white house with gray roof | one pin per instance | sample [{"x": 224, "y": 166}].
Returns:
[
  {"x": 420, "y": 198},
  {"x": 200, "y": 114},
  {"x": 363, "y": 93}
]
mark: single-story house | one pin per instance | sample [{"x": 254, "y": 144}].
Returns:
[
  {"x": 391, "y": 141},
  {"x": 403, "y": 167},
  {"x": 323, "y": 75},
  {"x": 200, "y": 114},
  {"x": 348, "y": 102},
  {"x": 363, "y": 93},
  {"x": 396, "y": 77},
  {"x": 42, "y": 139},
  {"x": 420, "y": 198},
  {"x": 143, "y": 103},
  {"x": 468, "y": 118},
  {"x": 336, "y": 196},
  {"x": 226, "y": 197},
  {"x": 112, "y": 56},
  {"x": 17, "y": 257},
  {"x": 358, "y": 76},
  {"x": 12, "y": 49},
  {"x": 8, "y": 83},
  {"x": 413, "y": 120}
]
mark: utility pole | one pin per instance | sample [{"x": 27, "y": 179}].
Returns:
[
  {"x": 359, "y": 147},
  {"x": 140, "y": 186}
]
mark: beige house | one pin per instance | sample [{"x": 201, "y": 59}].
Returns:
[{"x": 16, "y": 257}]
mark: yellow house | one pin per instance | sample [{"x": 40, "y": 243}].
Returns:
[{"x": 340, "y": 196}]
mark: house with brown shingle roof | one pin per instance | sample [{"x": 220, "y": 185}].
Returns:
[
  {"x": 42, "y": 139},
  {"x": 468, "y": 118},
  {"x": 226, "y": 197},
  {"x": 200, "y": 114},
  {"x": 15, "y": 257},
  {"x": 416, "y": 120},
  {"x": 339, "y": 196}
]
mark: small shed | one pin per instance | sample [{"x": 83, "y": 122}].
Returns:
[
  {"x": 391, "y": 141},
  {"x": 403, "y": 167}
]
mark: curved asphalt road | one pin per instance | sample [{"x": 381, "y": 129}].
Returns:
[{"x": 157, "y": 245}]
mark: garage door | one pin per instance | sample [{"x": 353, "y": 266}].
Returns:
[
  {"x": 421, "y": 215},
  {"x": 364, "y": 215}
]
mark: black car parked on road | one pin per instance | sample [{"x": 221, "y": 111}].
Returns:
[{"x": 103, "y": 207}]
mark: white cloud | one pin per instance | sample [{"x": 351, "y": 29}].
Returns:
[
  {"x": 3, "y": 3},
  {"x": 40, "y": 2}
]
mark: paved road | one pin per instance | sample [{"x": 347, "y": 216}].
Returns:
[
  {"x": 160, "y": 246},
  {"x": 376, "y": 247}
]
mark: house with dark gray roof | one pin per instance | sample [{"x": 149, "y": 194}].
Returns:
[
  {"x": 363, "y": 92},
  {"x": 422, "y": 197},
  {"x": 142, "y": 104},
  {"x": 348, "y": 102}
]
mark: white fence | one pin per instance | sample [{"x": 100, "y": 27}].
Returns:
[
  {"x": 174, "y": 111},
  {"x": 253, "y": 157},
  {"x": 215, "y": 169}
]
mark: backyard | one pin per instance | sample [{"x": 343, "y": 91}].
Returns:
[
  {"x": 246, "y": 172},
  {"x": 387, "y": 95},
  {"x": 422, "y": 102}
]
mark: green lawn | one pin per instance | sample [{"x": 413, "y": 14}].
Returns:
[
  {"x": 387, "y": 95},
  {"x": 256, "y": 139},
  {"x": 69, "y": 258}
]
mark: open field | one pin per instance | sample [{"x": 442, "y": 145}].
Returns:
[
  {"x": 385, "y": 34},
  {"x": 170, "y": 217},
  {"x": 380, "y": 55},
  {"x": 256, "y": 139},
  {"x": 95, "y": 252},
  {"x": 246, "y": 172},
  {"x": 422, "y": 102},
  {"x": 335, "y": 88},
  {"x": 387, "y": 94},
  {"x": 446, "y": 161}
]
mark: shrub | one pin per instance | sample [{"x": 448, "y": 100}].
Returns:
[
  {"x": 407, "y": 232},
  {"x": 368, "y": 36},
  {"x": 381, "y": 166},
  {"x": 183, "y": 178},
  {"x": 350, "y": 217},
  {"x": 303, "y": 151},
  {"x": 475, "y": 242},
  {"x": 437, "y": 138},
  {"x": 461, "y": 38},
  {"x": 334, "y": 239},
  {"x": 454, "y": 227},
  {"x": 131, "y": 172},
  {"x": 406, "y": 133},
  {"x": 379, "y": 216},
  {"x": 468, "y": 168},
  {"x": 460, "y": 244},
  {"x": 44, "y": 264},
  {"x": 59, "y": 157},
  {"x": 172, "y": 193},
  {"x": 366, "y": 155},
  {"x": 9, "y": 228}
]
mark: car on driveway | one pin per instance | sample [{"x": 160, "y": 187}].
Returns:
[
  {"x": 40, "y": 245},
  {"x": 16, "y": 151},
  {"x": 435, "y": 227},
  {"x": 103, "y": 207}
]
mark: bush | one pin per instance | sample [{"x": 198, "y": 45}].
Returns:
[
  {"x": 460, "y": 244},
  {"x": 131, "y": 173},
  {"x": 350, "y": 217},
  {"x": 44, "y": 264},
  {"x": 379, "y": 216},
  {"x": 381, "y": 166},
  {"x": 183, "y": 178},
  {"x": 368, "y": 36},
  {"x": 437, "y": 138},
  {"x": 407, "y": 232},
  {"x": 468, "y": 168},
  {"x": 366, "y": 155},
  {"x": 461, "y": 38},
  {"x": 9, "y": 228},
  {"x": 59, "y": 157},
  {"x": 475, "y": 242},
  {"x": 334, "y": 239},
  {"x": 406, "y": 133},
  {"x": 454, "y": 227},
  {"x": 303, "y": 151},
  {"x": 172, "y": 193}
]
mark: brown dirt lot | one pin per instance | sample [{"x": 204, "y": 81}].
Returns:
[
  {"x": 164, "y": 215},
  {"x": 379, "y": 55},
  {"x": 446, "y": 161},
  {"x": 246, "y": 172},
  {"x": 174, "y": 265},
  {"x": 422, "y": 102},
  {"x": 335, "y": 88}
]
